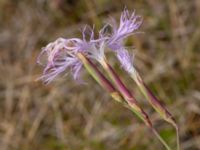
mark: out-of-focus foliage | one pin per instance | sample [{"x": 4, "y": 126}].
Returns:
[{"x": 67, "y": 115}]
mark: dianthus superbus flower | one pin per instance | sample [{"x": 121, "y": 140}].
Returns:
[
  {"x": 129, "y": 22},
  {"x": 57, "y": 58},
  {"x": 70, "y": 55}
]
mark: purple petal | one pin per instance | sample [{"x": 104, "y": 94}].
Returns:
[
  {"x": 128, "y": 24},
  {"x": 76, "y": 69},
  {"x": 58, "y": 58},
  {"x": 125, "y": 59}
]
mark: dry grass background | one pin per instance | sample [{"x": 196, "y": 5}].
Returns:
[{"x": 66, "y": 115}]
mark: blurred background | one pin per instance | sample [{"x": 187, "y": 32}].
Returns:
[{"x": 65, "y": 115}]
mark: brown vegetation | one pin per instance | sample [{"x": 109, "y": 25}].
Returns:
[{"x": 67, "y": 115}]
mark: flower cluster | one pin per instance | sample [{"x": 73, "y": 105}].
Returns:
[
  {"x": 61, "y": 54},
  {"x": 72, "y": 54}
]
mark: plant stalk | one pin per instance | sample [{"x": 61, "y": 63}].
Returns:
[
  {"x": 101, "y": 79},
  {"x": 131, "y": 100},
  {"x": 155, "y": 103}
]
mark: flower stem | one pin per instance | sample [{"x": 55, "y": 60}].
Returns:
[
  {"x": 177, "y": 135},
  {"x": 161, "y": 139},
  {"x": 132, "y": 105},
  {"x": 131, "y": 100},
  {"x": 101, "y": 79},
  {"x": 155, "y": 103},
  {"x": 128, "y": 96}
]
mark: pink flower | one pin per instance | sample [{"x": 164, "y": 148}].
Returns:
[
  {"x": 59, "y": 58},
  {"x": 128, "y": 24},
  {"x": 61, "y": 54}
]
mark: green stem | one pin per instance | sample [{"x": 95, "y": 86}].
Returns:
[
  {"x": 101, "y": 79},
  {"x": 131, "y": 100},
  {"x": 128, "y": 96},
  {"x": 155, "y": 103},
  {"x": 105, "y": 83},
  {"x": 161, "y": 139},
  {"x": 177, "y": 135}
]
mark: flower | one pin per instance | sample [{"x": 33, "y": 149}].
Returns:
[
  {"x": 62, "y": 53},
  {"x": 82, "y": 45},
  {"x": 95, "y": 47},
  {"x": 128, "y": 24},
  {"x": 58, "y": 58}
]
